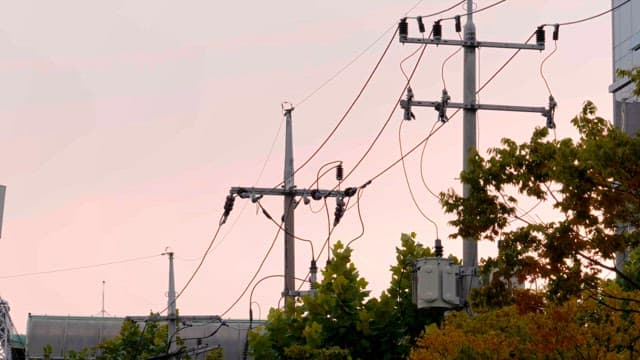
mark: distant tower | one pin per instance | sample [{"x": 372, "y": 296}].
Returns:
[
  {"x": 103, "y": 311},
  {"x": 5, "y": 331}
]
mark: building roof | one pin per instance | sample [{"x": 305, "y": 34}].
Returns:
[{"x": 65, "y": 333}]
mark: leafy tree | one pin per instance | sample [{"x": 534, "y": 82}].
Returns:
[
  {"x": 584, "y": 327},
  {"x": 134, "y": 342},
  {"x": 341, "y": 321},
  {"x": 593, "y": 185}
]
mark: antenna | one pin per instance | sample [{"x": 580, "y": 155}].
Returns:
[{"x": 103, "y": 311}]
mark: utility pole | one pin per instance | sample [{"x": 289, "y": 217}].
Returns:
[
  {"x": 469, "y": 107},
  {"x": 171, "y": 307},
  {"x": 290, "y": 192}
]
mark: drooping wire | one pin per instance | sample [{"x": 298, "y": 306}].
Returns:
[
  {"x": 279, "y": 225},
  {"x": 573, "y": 22},
  {"x": 76, "y": 268},
  {"x": 406, "y": 178},
  {"x": 197, "y": 269},
  {"x": 434, "y": 131},
  {"x": 444, "y": 63},
  {"x": 348, "y": 111},
  {"x": 264, "y": 259},
  {"x": 393, "y": 110},
  {"x": 424, "y": 148},
  {"x": 441, "y": 11},
  {"x": 546, "y": 83},
  {"x": 359, "y": 194},
  {"x": 475, "y": 11},
  {"x": 354, "y": 60}
]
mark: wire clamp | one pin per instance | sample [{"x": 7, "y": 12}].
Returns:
[
  {"x": 441, "y": 107},
  {"x": 406, "y": 105}
]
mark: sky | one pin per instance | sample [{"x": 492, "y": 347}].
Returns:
[{"x": 123, "y": 124}]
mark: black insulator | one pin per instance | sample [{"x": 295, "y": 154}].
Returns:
[
  {"x": 339, "y": 172},
  {"x": 439, "y": 249},
  {"x": 556, "y": 31},
  {"x": 316, "y": 195},
  {"x": 458, "y": 25},
  {"x": 437, "y": 30},
  {"x": 228, "y": 205},
  {"x": 339, "y": 211},
  {"x": 403, "y": 28},
  {"x": 420, "y": 24},
  {"x": 540, "y": 35}
]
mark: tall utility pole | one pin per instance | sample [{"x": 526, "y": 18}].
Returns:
[
  {"x": 470, "y": 108},
  {"x": 171, "y": 307},
  {"x": 290, "y": 192}
]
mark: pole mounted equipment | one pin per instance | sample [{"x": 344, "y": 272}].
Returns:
[
  {"x": 290, "y": 192},
  {"x": 466, "y": 276}
]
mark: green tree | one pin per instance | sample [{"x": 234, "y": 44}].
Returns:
[
  {"x": 134, "y": 342},
  {"x": 593, "y": 185},
  {"x": 342, "y": 321}
]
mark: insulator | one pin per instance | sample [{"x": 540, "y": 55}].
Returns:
[
  {"x": 403, "y": 28},
  {"x": 439, "y": 249},
  {"x": 228, "y": 204},
  {"x": 420, "y": 24},
  {"x": 556, "y": 31},
  {"x": 458, "y": 25},
  {"x": 339, "y": 172},
  {"x": 540, "y": 38},
  {"x": 437, "y": 30}
]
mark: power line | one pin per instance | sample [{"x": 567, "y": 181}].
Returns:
[
  {"x": 344, "y": 116},
  {"x": 475, "y": 11},
  {"x": 197, "y": 269},
  {"x": 46, "y": 272},
  {"x": 264, "y": 259},
  {"x": 395, "y": 106},
  {"x": 406, "y": 177},
  {"x": 590, "y": 17},
  {"x": 441, "y": 11},
  {"x": 434, "y": 131}
]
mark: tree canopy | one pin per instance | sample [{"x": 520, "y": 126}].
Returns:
[
  {"x": 342, "y": 320},
  {"x": 593, "y": 185}
]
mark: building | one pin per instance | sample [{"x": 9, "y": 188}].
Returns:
[
  {"x": 626, "y": 55},
  {"x": 64, "y": 333}
]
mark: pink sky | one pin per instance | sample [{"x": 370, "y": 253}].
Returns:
[{"x": 124, "y": 124}]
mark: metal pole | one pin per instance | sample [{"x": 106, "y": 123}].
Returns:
[
  {"x": 171, "y": 307},
  {"x": 289, "y": 204},
  {"x": 470, "y": 246}
]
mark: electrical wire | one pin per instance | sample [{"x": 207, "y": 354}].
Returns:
[
  {"x": 348, "y": 111},
  {"x": 475, "y": 11},
  {"x": 393, "y": 110},
  {"x": 546, "y": 83},
  {"x": 406, "y": 177},
  {"x": 353, "y": 61},
  {"x": 444, "y": 63},
  {"x": 279, "y": 225},
  {"x": 360, "y": 217},
  {"x": 424, "y": 148},
  {"x": 197, "y": 269},
  {"x": 434, "y": 131},
  {"x": 441, "y": 11},
  {"x": 264, "y": 259},
  {"x": 574, "y": 22},
  {"x": 46, "y": 272}
]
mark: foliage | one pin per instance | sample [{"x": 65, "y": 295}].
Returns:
[
  {"x": 633, "y": 75},
  {"x": 341, "y": 321},
  {"x": 134, "y": 342},
  {"x": 593, "y": 185},
  {"x": 584, "y": 327}
]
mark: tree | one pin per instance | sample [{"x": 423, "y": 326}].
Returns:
[
  {"x": 342, "y": 321},
  {"x": 584, "y": 327},
  {"x": 134, "y": 342},
  {"x": 593, "y": 185}
]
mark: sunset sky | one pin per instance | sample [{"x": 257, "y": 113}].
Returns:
[{"x": 123, "y": 124}]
